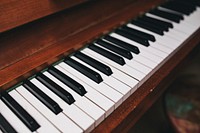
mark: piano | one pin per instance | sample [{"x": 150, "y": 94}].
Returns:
[{"x": 89, "y": 66}]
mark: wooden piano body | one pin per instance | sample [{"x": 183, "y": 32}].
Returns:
[{"x": 35, "y": 34}]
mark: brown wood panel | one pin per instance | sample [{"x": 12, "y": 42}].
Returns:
[
  {"x": 30, "y": 48},
  {"x": 40, "y": 34},
  {"x": 23, "y": 47},
  {"x": 17, "y": 12}
]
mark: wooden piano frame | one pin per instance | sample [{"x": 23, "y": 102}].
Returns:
[{"x": 30, "y": 48}]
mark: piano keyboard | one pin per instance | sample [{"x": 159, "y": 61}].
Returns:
[{"x": 79, "y": 92}]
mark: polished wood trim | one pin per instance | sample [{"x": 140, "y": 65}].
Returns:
[
  {"x": 39, "y": 44},
  {"x": 14, "y": 13},
  {"x": 40, "y": 34}
]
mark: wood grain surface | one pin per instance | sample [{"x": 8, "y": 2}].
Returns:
[
  {"x": 14, "y": 13},
  {"x": 32, "y": 47},
  {"x": 28, "y": 47}
]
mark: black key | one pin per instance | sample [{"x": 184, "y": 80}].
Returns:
[
  {"x": 185, "y": 4},
  {"x": 119, "y": 60},
  {"x": 192, "y": 2},
  {"x": 125, "y": 53},
  {"x": 5, "y": 125},
  {"x": 180, "y": 10},
  {"x": 24, "y": 116},
  {"x": 180, "y": 6},
  {"x": 132, "y": 37},
  {"x": 67, "y": 80},
  {"x": 62, "y": 93},
  {"x": 122, "y": 44},
  {"x": 173, "y": 17},
  {"x": 139, "y": 33},
  {"x": 160, "y": 32},
  {"x": 94, "y": 63},
  {"x": 153, "y": 25},
  {"x": 45, "y": 99},
  {"x": 157, "y": 21},
  {"x": 84, "y": 70}
]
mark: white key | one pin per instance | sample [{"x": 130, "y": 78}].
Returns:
[
  {"x": 72, "y": 111},
  {"x": 189, "y": 30},
  {"x": 190, "y": 23},
  {"x": 125, "y": 68},
  {"x": 163, "y": 40},
  {"x": 176, "y": 25},
  {"x": 143, "y": 52},
  {"x": 132, "y": 63},
  {"x": 179, "y": 34},
  {"x": 139, "y": 59},
  {"x": 16, "y": 123},
  {"x": 197, "y": 10},
  {"x": 125, "y": 78},
  {"x": 109, "y": 80},
  {"x": 83, "y": 103},
  {"x": 128, "y": 80},
  {"x": 161, "y": 50},
  {"x": 99, "y": 99},
  {"x": 144, "y": 61},
  {"x": 194, "y": 18},
  {"x": 1, "y": 131},
  {"x": 104, "y": 89},
  {"x": 45, "y": 126},
  {"x": 190, "y": 19},
  {"x": 185, "y": 28},
  {"x": 138, "y": 66},
  {"x": 142, "y": 57},
  {"x": 63, "y": 123},
  {"x": 159, "y": 18}
]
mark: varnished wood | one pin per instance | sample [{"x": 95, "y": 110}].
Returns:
[
  {"x": 30, "y": 48},
  {"x": 37, "y": 43},
  {"x": 45, "y": 32},
  {"x": 17, "y": 12}
]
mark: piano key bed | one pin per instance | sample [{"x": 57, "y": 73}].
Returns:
[{"x": 80, "y": 91}]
